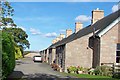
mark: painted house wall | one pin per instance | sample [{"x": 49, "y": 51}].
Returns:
[
  {"x": 108, "y": 45},
  {"x": 78, "y": 53}
]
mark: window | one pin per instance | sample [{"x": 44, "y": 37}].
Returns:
[
  {"x": 118, "y": 54},
  {"x": 118, "y": 47}
]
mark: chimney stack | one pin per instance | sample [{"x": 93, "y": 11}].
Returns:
[
  {"x": 68, "y": 32},
  {"x": 78, "y": 26},
  {"x": 57, "y": 39},
  {"x": 53, "y": 41},
  {"x": 62, "y": 36},
  {"x": 97, "y": 15}
]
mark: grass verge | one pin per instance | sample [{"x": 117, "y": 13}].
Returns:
[{"x": 89, "y": 77}]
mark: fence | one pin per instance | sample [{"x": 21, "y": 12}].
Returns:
[{"x": 115, "y": 67}]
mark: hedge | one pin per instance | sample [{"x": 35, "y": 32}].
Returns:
[
  {"x": 8, "y": 54},
  {"x": 18, "y": 53}
]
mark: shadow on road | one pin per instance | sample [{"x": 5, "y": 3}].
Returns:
[
  {"x": 42, "y": 75},
  {"x": 18, "y": 75},
  {"x": 15, "y": 75}
]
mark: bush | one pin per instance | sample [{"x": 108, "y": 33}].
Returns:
[
  {"x": 8, "y": 55},
  {"x": 80, "y": 68},
  {"x": 117, "y": 75},
  {"x": 55, "y": 67},
  {"x": 91, "y": 71},
  {"x": 72, "y": 69},
  {"x": 18, "y": 53},
  {"x": 103, "y": 71}
]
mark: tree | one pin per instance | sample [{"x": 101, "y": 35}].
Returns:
[
  {"x": 20, "y": 37},
  {"x": 6, "y": 14}
]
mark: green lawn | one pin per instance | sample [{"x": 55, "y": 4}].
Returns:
[{"x": 90, "y": 77}]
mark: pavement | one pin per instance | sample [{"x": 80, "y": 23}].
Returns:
[{"x": 27, "y": 69}]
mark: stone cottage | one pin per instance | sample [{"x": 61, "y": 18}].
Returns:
[{"x": 91, "y": 46}]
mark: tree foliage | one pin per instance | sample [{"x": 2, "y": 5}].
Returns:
[
  {"x": 18, "y": 53},
  {"x": 6, "y": 14},
  {"x": 14, "y": 39},
  {"x": 19, "y": 35},
  {"x": 8, "y": 54}
]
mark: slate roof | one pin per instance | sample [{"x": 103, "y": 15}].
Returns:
[{"x": 98, "y": 26}]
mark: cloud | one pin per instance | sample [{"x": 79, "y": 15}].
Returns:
[
  {"x": 35, "y": 31},
  {"x": 115, "y": 8},
  {"x": 83, "y": 18},
  {"x": 50, "y": 35}
]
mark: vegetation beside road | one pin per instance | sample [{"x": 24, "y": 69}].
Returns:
[
  {"x": 14, "y": 39},
  {"x": 8, "y": 54},
  {"x": 89, "y": 77}
]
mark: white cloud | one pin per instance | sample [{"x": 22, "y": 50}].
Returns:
[
  {"x": 37, "y": 32},
  {"x": 34, "y": 31},
  {"x": 51, "y": 35},
  {"x": 83, "y": 18},
  {"x": 115, "y": 8}
]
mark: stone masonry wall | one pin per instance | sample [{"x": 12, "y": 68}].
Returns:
[
  {"x": 108, "y": 45},
  {"x": 78, "y": 53},
  {"x": 53, "y": 54}
]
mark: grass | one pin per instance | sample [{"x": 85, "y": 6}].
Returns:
[{"x": 89, "y": 77}]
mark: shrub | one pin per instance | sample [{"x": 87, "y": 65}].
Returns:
[
  {"x": 55, "y": 67},
  {"x": 72, "y": 69},
  {"x": 18, "y": 53},
  {"x": 117, "y": 75},
  {"x": 80, "y": 68},
  {"x": 85, "y": 70},
  {"x": 97, "y": 70},
  {"x": 103, "y": 71},
  {"x": 91, "y": 71},
  {"x": 8, "y": 55}
]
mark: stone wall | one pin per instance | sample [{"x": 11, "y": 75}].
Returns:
[
  {"x": 119, "y": 32},
  {"x": 108, "y": 45},
  {"x": 53, "y": 54},
  {"x": 78, "y": 53}
]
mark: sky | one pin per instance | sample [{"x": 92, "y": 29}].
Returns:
[{"x": 44, "y": 21}]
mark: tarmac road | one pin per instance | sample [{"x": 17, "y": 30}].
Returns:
[{"x": 27, "y": 68}]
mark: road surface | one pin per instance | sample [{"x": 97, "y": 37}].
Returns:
[{"x": 26, "y": 68}]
